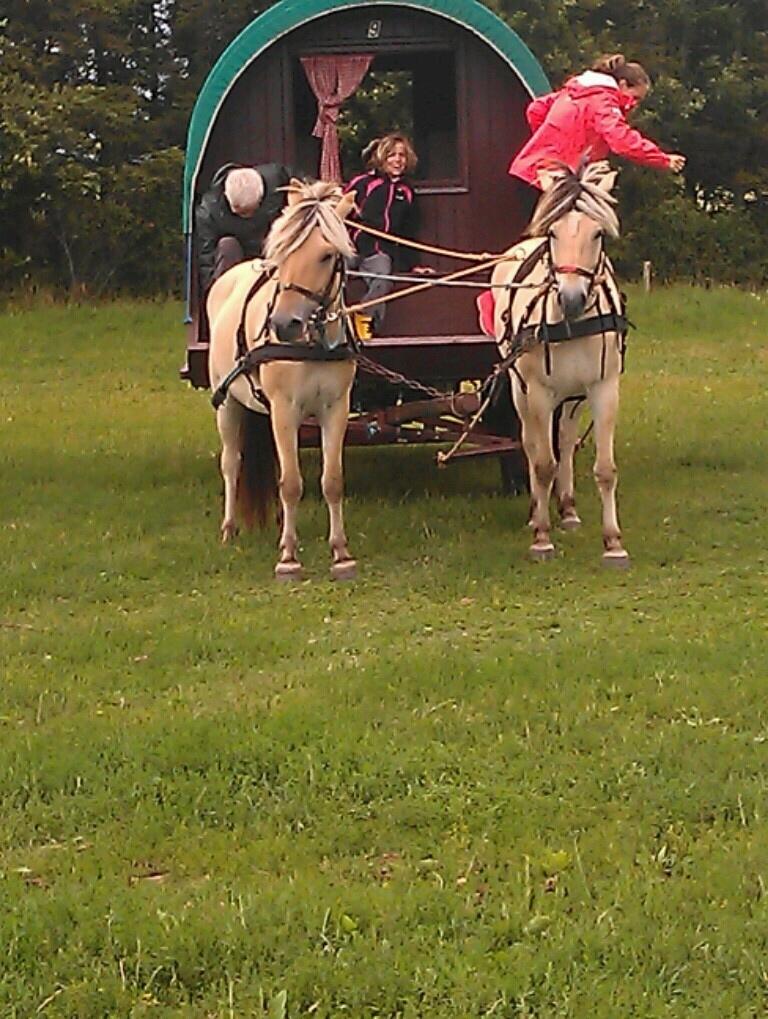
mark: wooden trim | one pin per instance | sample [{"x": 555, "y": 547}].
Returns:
[
  {"x": 460, "y": 61},
  {"x": 392, "y": 44}
]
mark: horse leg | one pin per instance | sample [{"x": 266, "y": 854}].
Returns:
[
  {"x": 285, "y": 428},
  {"x": 604, "y": 402},
  {"x": 333, "y": 425},
  {"x": 229, "y": 422},
  {"x": 568, "y": 437},
  {"x": 535, "y": 409}
]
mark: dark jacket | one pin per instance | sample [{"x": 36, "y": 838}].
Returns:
[
  {"x": 388, "y": 205},
  {"x": 214, "y": 219}
]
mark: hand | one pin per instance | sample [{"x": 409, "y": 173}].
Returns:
[
  {"x": 676, "y": 162},
  {"x": 423, "y": 270}
]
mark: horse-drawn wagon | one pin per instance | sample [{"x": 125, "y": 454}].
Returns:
[{"x": 459, "y": 79}]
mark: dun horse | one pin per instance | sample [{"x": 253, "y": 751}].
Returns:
[
  {"x": 566, "y": 322},
  {"x": 278, "y": 344}
]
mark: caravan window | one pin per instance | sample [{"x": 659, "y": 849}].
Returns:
[{"x": 414, "y": 92}]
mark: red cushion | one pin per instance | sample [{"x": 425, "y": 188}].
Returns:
[{"x": 485, "y": 308}]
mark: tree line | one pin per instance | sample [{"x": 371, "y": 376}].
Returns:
[{"x": 95, "y": 99}]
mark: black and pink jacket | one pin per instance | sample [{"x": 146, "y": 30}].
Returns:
[{"x": 388, "y": 205}]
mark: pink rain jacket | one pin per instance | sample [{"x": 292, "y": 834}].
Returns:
[{"x": 587, "y": 115}]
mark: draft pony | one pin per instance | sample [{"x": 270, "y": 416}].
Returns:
[
  {"x": 279, "y": 354},
  {"x": 563, "y": 329}
]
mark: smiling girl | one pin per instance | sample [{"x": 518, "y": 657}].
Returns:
[{"x": 386, "y": 200}]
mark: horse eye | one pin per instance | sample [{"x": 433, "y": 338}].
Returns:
[{"x": 326, "y": 258}]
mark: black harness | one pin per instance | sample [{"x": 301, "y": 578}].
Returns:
[
  {"x": 249, "y": 358},
  {"x": 527, "y": 336},
  {"x": 558, "y": 332}
]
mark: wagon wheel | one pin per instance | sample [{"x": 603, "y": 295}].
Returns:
[{"x": 502, "y": 418}]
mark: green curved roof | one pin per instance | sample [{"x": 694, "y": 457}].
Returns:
[{"x": 287, "y": 15}]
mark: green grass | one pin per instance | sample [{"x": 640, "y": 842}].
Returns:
[{"x": 465, "y": 786}]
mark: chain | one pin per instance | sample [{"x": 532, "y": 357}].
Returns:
[{"x": 397, "y": 378}]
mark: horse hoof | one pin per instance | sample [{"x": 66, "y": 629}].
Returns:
[
  {"x": 618, "y": 560},
  {"x": 345, "y": 569},
  {"x": 571, "y": 523},
  {"x": 288, "y": 572},
  {"x": 542, "y": 553},
  {"x": 228, "y": 533}
]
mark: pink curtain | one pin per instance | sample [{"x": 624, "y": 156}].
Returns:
[{"x": 333, "y": 79}]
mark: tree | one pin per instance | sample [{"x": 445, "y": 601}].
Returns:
[
  {"x": 75, "y": 114},
  {"x": 96, "y": 95}
]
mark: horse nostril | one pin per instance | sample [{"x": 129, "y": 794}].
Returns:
[
  {"x": 572, "y": 301},
  {"x": 287, "y": 328}
]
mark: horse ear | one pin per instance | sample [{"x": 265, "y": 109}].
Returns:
[
  {"x": 346, "y": 205},
  {"x": 545, "y": 179},
  {"x": 294, "y": 191},
  {"x": 607, "y": 181}
]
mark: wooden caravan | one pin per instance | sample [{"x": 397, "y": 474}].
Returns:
[
  {"x": 462, "y": 80},
  {"x": 468, "y": 79}
]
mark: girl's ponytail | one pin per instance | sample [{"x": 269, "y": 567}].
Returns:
[
  {"x": 620, "y": 69},
  {"x": 610, "y": 63}
]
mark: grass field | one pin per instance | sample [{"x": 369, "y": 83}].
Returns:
[{"x": 465, "y": 786}]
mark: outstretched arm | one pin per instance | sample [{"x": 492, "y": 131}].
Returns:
[{"x": 610, "y": 124}]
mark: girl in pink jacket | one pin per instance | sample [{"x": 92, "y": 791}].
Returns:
[{"x": 588, "y": 117}]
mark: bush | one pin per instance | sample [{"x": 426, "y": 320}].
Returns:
[{"x": 664, "y": 225}]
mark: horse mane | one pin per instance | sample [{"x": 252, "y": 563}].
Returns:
[
  {"x": 576, "y": 190},
  {"x": 316, "y": 208}
]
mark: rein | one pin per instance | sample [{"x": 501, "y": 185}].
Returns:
[{"x": 470, "y": 256}]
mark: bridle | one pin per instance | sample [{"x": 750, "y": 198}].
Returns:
[
  {"x": 593, "y": 275},
  {"x": 323, "y": 301}
]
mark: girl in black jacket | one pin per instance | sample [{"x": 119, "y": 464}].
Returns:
[{"x": 385, "y": 200}]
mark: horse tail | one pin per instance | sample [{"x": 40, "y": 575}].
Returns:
[{"x": 257, "y": 481}]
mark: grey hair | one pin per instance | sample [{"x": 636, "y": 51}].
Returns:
[
  {"x": 244, "y": 190},
  {"x": 576, "y": 191},
  {"x": 316, "y": 208}
]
